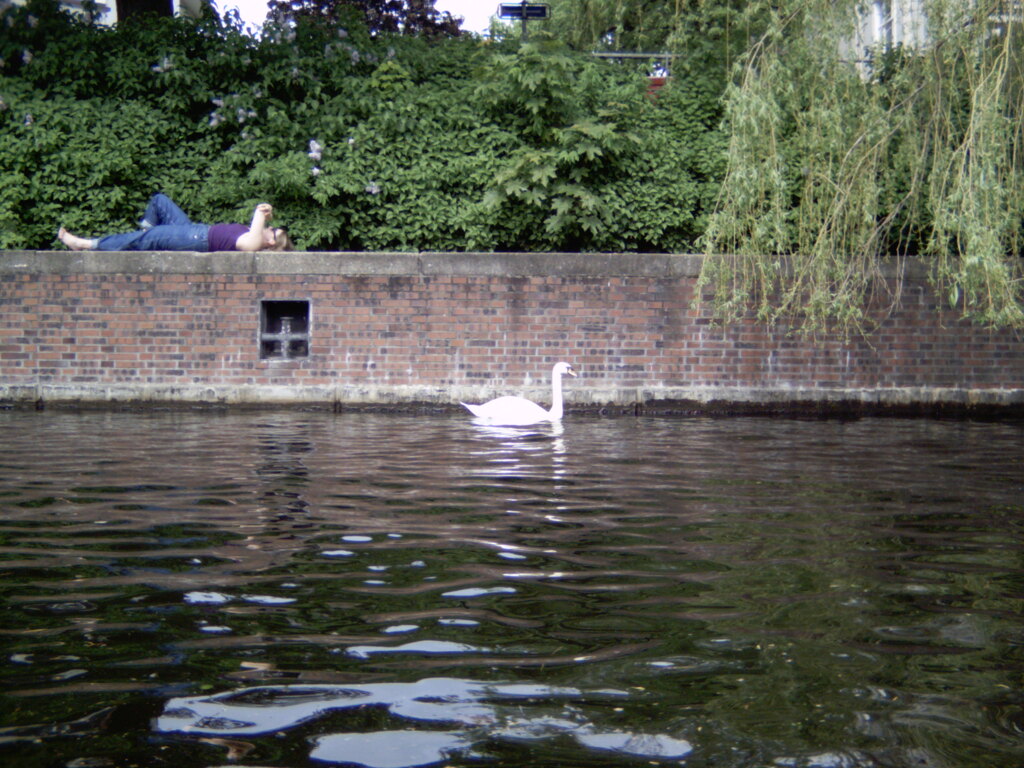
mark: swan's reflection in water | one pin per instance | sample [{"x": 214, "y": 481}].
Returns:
[
  {"x": 474, "y": 714},
  {"x": 506, "y": 449},
  {"x": 515, "y": 457}
]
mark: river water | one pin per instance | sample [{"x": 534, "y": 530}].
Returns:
[{"x": 191, "y": 589}]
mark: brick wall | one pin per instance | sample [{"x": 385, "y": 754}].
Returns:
[{"x": 400, "y": 329}]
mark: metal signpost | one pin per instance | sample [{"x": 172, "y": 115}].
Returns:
[{"x": 524, "y": 11}]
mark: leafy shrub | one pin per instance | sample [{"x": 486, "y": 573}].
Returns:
[{"x": 361, "y": 141}]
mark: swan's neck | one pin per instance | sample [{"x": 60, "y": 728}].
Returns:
[{"x": 556, "y": 397}]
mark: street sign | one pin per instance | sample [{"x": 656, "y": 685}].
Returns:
[{"x": 523, "y": 11}]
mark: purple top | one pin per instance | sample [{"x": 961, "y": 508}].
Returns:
[{"x": 222, "y": 237}]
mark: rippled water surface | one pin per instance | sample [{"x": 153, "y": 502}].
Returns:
[{"x": 292, "y": 589}]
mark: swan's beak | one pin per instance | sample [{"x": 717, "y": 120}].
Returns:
[{"x": 571, "y": 372}]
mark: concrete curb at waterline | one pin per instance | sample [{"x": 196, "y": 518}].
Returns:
[{"x": 989, "y": 403}]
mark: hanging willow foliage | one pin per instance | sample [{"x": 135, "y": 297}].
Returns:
[{"x": 838, "y": 169}]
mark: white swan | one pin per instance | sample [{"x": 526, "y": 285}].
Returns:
[{"x": 512, "y": 411}]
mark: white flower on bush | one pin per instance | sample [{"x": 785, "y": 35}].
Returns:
[
  {"x": 372, "y": 188},
  {"x": 32, "y": 21},
  {"x": 29, "y": 119},
  {"x": 26, "y": 56},
  {"x": 165, "y": 65},
  {"x": 315, "y": 171},
  {"x": 315, "y": 150}
]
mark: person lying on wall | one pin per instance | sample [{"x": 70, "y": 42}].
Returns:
[{"x": 165, "y": 227}]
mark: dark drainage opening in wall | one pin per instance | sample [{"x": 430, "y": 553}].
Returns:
[{"x": 284, "y": 330}]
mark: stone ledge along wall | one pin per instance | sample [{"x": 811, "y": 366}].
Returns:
[{"x": 413, "y": 330}]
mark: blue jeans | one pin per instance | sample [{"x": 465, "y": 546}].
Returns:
[{"x": 164, "y": 227}]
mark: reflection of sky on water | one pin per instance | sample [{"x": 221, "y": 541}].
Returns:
[
  {"x": 420, "y": 646},
  {"x": 510, "y": 711},
  {"x": 388, "y": 749}
]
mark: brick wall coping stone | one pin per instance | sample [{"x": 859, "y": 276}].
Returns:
[
  {"x": 477, "y": 264},
  {"x": 350, "y": 263}
]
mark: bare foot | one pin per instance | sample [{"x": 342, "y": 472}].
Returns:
[{"x": 74, "y": 242}]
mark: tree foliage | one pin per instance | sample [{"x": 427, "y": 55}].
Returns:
[
  {"x": 361, "y": 139},
  {"x": 836, "y": 170},
  {"x": 626, "y": 25},
  {"x": 803, "y": 176},
  {"x": 409, "y": 17},
  {"x": 704, "y": 36}
]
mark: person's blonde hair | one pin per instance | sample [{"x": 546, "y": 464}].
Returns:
[{"x": 282, "y": 241}]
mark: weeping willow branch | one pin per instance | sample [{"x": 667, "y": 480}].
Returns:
[
  {"x": 976, "y": 199},
  {"x": 837, "y": 172}
]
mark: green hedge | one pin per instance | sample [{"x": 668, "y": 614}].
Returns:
[{"x": 360, "y": 142}]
